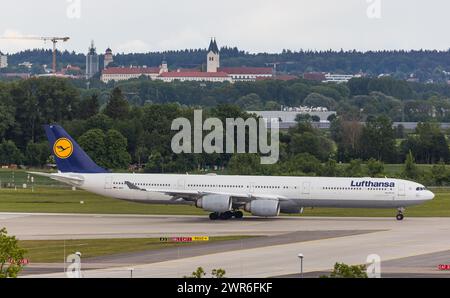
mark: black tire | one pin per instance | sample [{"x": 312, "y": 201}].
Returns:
[
  {"x": 400, "y": 216},
  {"x": 238, "y": 214},
  {"x": 213, "y": 216},
  {"x": 226, "y": 215}
]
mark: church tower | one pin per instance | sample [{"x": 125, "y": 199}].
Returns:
[
  {"x": 108, "y": 57},
  {"x": 213, "y": 57}
]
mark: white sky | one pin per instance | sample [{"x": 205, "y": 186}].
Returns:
[{"x": 251, "y": 25}]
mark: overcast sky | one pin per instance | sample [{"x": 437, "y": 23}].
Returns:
[{"x": 251, "y": 25}]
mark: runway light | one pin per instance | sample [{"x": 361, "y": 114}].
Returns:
[{"x": 300, "y": 256}]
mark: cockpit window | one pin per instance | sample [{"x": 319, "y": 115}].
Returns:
[{"x": 420, "y": 188}]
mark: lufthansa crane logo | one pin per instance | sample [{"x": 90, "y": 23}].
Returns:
[{"x": 63, "y": 148}]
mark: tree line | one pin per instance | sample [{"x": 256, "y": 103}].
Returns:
[
  {"x": 116, "y": 133},
  {"x": 423, "y": 64}
]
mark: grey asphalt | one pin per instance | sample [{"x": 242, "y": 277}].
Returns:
[
  {"x": 391, "y": 240},
  {"x": 167, "y": 254},
  {"x": 420, "y": 266}
]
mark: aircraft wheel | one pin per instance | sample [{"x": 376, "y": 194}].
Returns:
[
  {"x": 213, "y": 216},
  {"x": 226, "y": 215},
  {"x": 238, "y": 214},
  {"x": 400, "y": 216}
]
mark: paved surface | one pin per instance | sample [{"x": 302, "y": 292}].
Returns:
[
  {"x": 167, "y": 254},
  {"x": 73, "y": 226},
  {"x": 421, "y": 266},
  {"x": 392, "y": 240}
]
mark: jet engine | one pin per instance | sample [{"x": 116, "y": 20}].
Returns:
[
  {"x": 215, "y": 203},
  {"x": 290, "y": 207},
  {"x": 265, "y": 208}
]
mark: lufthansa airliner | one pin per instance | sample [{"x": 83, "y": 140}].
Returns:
[{"x": 225, "y": 196}]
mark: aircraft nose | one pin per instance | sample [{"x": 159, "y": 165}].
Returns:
[{"x": 429, "y": 195}]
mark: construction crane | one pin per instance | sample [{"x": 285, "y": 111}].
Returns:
[{"x": 54, "y": 40}]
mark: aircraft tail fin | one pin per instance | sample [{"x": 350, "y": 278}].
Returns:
[{"x": 69, "y": 156}]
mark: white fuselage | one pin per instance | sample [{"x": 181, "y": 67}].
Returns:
[{"x": 302, "y": 191}]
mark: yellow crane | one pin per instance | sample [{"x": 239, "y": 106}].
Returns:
[{"x": 54, "y": 40}]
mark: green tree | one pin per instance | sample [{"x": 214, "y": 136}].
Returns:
[
  {"x": 199, "y": 273},
  {"x": 89, "y": 107},
  {"x": 93, "y": 143},
  {"x": 244, "y": 164},
  {"x": 117, "y": 107},
  {"x": 116, "y": 150},
  {"x": 378, "y": 139},
  {"x": 319, "y": 100},
  {"x": 218, "y": 273},
  {"x": 9, "y": 153},
  {"x": 375, "y": 168},
  {"x": 354, "y": 168},
  {"x": 410, "y": 169},
  {"x": 440, "y": 173},
  {"x": 36, "y": 154},
  {"x": 6, "y": 118},
  {"x": 342, "y": 270},
  {"x": 250, "y": 102},
  {"x": 11, "y": 255},
  {"x": 330, "y": 169},
  {"x": 155, "y": 163},
  {"x": 302, "y": 164}
]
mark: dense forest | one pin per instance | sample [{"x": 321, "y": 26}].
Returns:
[
  {"x": 423, "y": 64},
  {"x": 118, "y": 132}
]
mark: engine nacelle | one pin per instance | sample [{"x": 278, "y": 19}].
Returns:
[
  {"x": 265, "y": 208},
  {"x": 215, "y": 203},
  {"x": 290, "y": 207}
]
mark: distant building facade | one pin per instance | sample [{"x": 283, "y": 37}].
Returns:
[
  {"x": 197, "y": 76},
  {"x": 248, "y": 74},
  {"x": 92, "y": 62},
  {"x": 214, "y": 72},
  {"x": 3, "y": 60},
  {"x": 108, "y": 58},
  {"x": 329, "y": 77},
  {"x": 127, "y": 73}
]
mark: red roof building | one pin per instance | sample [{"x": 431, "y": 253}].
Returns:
[
  {"x": 126, "y": 73},
  {"x": 248, "y": 73},
  {"x": 314, "y": 76}
]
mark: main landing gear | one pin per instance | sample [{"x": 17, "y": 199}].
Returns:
[
  {"x": 226, "y": 215},
  {"x": 400, "y": 215}
]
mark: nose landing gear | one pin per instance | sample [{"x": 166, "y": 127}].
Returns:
[{"x": 400, "y": 215}]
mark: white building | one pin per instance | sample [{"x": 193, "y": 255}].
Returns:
[
  {"x": 3, "y": 60},
  {"x": 338, "y": 78},
  {"x": 248, "y": 74},
  {"x": 198, "y": 76},
  {"x": 127, "y": 73},
  {"x": 26, "y": 64}
]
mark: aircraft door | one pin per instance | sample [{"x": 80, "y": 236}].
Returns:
[
  {"x": 251, "y": 187},
  {"x": 180, "y": 184},
  {"x": 108, "y": 182},
  {"x": 401, "y": 189},
  {"x": 306, "y": 189}
]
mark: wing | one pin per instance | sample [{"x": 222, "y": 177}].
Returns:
[{"x": 192, "y": 195}]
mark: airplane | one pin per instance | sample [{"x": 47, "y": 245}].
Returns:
[{"x": 225, "y": 196}]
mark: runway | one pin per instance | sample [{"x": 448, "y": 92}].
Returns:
[{"x": 323, "y": 241}]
